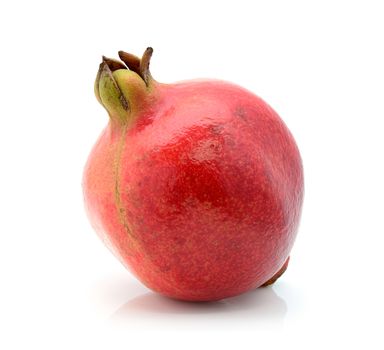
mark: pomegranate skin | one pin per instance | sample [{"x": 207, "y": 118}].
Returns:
[{"x": 200, "y": 197}]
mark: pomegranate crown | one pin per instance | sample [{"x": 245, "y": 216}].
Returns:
[{"x": 123, "y": 87}]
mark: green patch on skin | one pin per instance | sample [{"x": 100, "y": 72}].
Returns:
[{"x": 121, "y": 211}]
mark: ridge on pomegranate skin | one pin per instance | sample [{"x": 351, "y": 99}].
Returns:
[{"x": 196, "y": 187}]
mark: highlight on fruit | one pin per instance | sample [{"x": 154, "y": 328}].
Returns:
[{"x": 196, "y": 187}]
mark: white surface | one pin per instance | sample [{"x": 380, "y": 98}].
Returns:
[{"x": 318, "y": 63}]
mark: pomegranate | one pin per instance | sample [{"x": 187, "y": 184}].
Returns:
[{"x": 196, "y": 187}]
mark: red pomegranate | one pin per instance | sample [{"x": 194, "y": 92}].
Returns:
[{"x": 196, "y": 187}]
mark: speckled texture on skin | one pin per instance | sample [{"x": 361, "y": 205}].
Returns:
[{"x": 201, "y": 196}]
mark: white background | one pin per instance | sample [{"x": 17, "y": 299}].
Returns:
[{"x": 320, "y": 64}]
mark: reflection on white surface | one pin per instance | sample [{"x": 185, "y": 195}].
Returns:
[{"x": 260, "y": 307}]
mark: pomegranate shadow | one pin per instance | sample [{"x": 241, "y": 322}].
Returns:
[{"x": 259, "y": 307}]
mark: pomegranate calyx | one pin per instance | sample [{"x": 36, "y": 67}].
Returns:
[
  {"x": 123, "y": 88},
  {"x": 108, "y": 92},
  {"x": 140, "y": 66}
]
